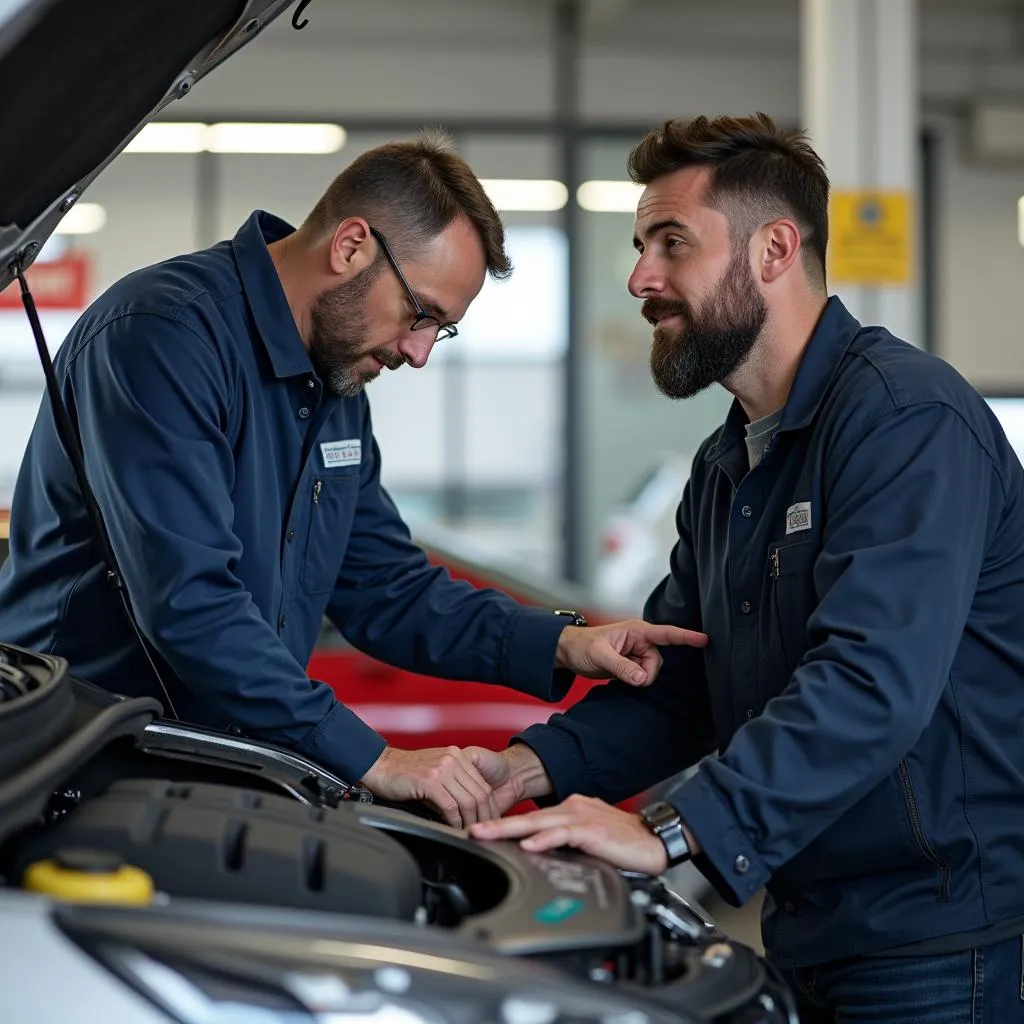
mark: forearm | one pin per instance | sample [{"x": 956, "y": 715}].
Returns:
[
  {"x": 527, "y": 772},
  {"x": 619, "y": 740},
  {"x": 415, "y": 616},
  {"x": 563, "y": 656},
  {"x": 227, "y": 655}
]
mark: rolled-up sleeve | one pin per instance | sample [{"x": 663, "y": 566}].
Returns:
[
  {"x": 152, "y": 397},
  {"x": 909, "y": 504}
]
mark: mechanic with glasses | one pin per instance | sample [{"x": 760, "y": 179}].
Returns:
[{"x": 220, "y": 400}]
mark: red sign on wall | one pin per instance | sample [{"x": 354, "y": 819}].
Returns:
[{"x": 56, "y": 284}]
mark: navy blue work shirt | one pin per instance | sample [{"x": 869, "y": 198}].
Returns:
[
  {"x": 863, "y": 687},
  {"x": 243, "y": 501}
]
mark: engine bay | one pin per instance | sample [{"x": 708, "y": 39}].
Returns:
[{"x": 106, "y": 798}]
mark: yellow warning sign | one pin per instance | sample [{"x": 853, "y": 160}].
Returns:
[{"x": 870, "y": 238}]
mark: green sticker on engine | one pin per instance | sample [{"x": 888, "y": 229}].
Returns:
[{"x": 558, "y": 910}]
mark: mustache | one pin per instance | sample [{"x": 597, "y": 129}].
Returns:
[
  {"x": 654, "y": 310},
  {"x": 391, "y": 360}
]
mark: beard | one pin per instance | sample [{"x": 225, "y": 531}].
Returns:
[
  {"x": 715, "y": 340},
  {"x": 339, "y": 333}
]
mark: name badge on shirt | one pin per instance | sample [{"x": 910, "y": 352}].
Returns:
[
  {"x": 798, "y": 517},
  {"x": 341, "y": 453}
]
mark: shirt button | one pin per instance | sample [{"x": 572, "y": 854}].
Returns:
[
  {"x": 750, "y": 713},
  {"x": 789, "y": 906},
  {"x": 741, "y": 864},
  {"x": 746, "y": 511},
  {"x": 310, "y": 383},
  {"x": 745, "y": 607},
  {"x": 304, "y": 413},
  {"x": 281, "y": 622},
  {"x": 291, "y": 536}
]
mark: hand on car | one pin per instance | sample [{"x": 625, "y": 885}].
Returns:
[
  {"x": 623, "y": 650},
  {"x": 443, "y": 777},
  {"x": 588, "y": 825}
]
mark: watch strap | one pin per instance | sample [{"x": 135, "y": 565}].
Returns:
[
  {"x": 664, "y": 821},
  {"x": 570, "y": 613}
]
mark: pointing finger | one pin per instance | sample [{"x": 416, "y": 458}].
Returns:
[{"x": 663, "y": 635}]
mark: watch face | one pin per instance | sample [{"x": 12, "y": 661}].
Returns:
[
  {"x": 664, "y": 821},
  {"x": 658, "y": 815}
]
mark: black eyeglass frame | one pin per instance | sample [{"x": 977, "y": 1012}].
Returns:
[{"x": 423, "y": 320}]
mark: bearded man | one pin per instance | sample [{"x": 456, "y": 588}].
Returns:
[
  {"x": 227, "y": 437},
  {"x": 852, "y": 541}
]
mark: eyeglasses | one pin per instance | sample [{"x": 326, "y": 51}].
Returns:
[{"x": 423, "y": 320}]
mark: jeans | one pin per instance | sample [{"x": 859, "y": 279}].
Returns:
[{"x": 978, "y": 986}]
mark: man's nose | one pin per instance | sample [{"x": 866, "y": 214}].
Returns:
[
  {"x": 416, "y": 347},
  {"x": 646, "y": 279}
]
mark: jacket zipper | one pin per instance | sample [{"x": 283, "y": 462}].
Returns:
[
  {"x": 317, "y": 488},
  {"x": 922, "y": 842},
  {"x": 774, "y": 564}
]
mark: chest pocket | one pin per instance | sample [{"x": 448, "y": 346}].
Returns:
[
  {"x": 332, "y": 510},
  {"x": 791, "y": 575}
]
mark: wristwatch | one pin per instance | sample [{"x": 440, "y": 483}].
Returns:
[
  {"x": 569, "y": 613},
  {"x": 664, "y": 821}
]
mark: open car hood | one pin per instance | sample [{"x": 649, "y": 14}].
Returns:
[{"x": 80, "y": 78}]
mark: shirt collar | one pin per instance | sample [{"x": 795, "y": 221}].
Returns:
[
  {"x": 832, "y": 337},
  {"x": 265, "y": 295}
]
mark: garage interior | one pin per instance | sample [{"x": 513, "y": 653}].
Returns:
[{"x": 535, "y": 452}]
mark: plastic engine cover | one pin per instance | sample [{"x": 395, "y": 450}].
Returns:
[{"x": 223, "y": 843}]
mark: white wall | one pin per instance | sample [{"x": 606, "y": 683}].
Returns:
[{"x": 980, "y": 281}]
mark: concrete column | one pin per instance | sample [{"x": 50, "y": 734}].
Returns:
[{"x": 860, "y": 107}]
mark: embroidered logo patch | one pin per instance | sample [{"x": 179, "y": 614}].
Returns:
[
  {"x": 341, "y": 453},
  {"x": 798, "y": 517}
]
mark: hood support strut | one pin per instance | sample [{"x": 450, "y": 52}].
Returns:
[{"x": 69, "y": 438}]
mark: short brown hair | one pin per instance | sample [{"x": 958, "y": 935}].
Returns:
[
  {"x": 758, "y": 172},
  {"x": 411, "y": 191}
]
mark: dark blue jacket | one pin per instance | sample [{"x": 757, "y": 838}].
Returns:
[
  {"x": 242, "y": 502},
  {"x": 863, "y": 588}
]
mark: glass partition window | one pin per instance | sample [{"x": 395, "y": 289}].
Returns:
[{"x": 632, "y": 433}]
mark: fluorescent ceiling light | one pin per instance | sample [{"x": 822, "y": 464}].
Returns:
[
  {"x": 242, "y": 137},
  {"x": 1020, "y": 220},
  {"x": 525, "y": 194},
  {"x": 609, "y": 196},
  {"x": 82, "y": 219},
  {"x": 237, "y": 137},
  {"x": 156, "y": 137}
]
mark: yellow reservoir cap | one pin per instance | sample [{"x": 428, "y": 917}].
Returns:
[{"x": 89, "y": 876}]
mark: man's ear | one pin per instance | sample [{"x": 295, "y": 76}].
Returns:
[
  {"x": 352, "y": 247},
  {"x": 778, "y": 248}
]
